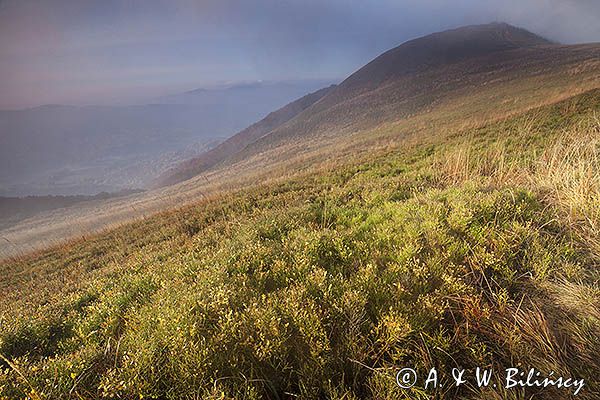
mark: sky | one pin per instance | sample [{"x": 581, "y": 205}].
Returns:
[{"x": 128, "y": 51}]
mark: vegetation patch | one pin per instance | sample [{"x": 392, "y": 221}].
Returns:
[{"x": 470, "y": 251}]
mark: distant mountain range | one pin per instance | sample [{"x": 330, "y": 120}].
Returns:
[
  {"x": 58, "y": 149},
  {"x": 247, "y": 97}
]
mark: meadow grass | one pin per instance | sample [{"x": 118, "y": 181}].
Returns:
[{"x": 471, "y": 248}]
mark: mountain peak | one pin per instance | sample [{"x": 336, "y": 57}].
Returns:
[
  {"x": 492, "y": 34},
  {"x": 446, "y": 47}
]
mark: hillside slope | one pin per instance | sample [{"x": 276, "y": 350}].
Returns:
[
  {"x": 439, "y": 219},
  {"x": 401, "y": 81},
  {"x": 470, "y": 247},
  {"x": 350, "y": 123},
  {"x": 240, "y": 140},
  {"x": 422, "y": 74}
]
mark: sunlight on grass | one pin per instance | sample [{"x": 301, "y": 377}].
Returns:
[{"x": 480, "y": 249}]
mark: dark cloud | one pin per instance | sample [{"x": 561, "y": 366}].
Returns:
[{"x": 102, "y": 50}]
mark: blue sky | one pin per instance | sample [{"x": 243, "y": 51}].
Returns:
[{"x": 122, "y": 51}]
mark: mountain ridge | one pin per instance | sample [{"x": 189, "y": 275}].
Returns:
[
  {"x": 446, "y": 47},
  {"x": 414, "y": 56},
  {"x": 383, "y": 90}
]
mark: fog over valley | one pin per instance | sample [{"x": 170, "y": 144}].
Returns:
[{"x": 71, "y": 150}]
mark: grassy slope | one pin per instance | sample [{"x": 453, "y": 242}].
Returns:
[
  {"x": 343, "y": 129},
  {"x": 484, "y": 86},
  {"x": 474, "y": 246}
]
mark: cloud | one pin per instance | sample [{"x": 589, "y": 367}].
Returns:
[{"x": 45, "y": 45}]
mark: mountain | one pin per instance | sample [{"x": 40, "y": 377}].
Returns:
[
  {"x": 409, "y": 92},
  {"x": 441, "y": 49},
  {"x": 437, "y": 209},
  {"x": 428, "y": 72},
  {"x": 58, "y": 149},
  {"x": 240, "y": 140},
  {"x": 419, "y": 75}
]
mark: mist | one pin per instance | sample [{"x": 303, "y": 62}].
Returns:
[{"x": 123, "y": 51}]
